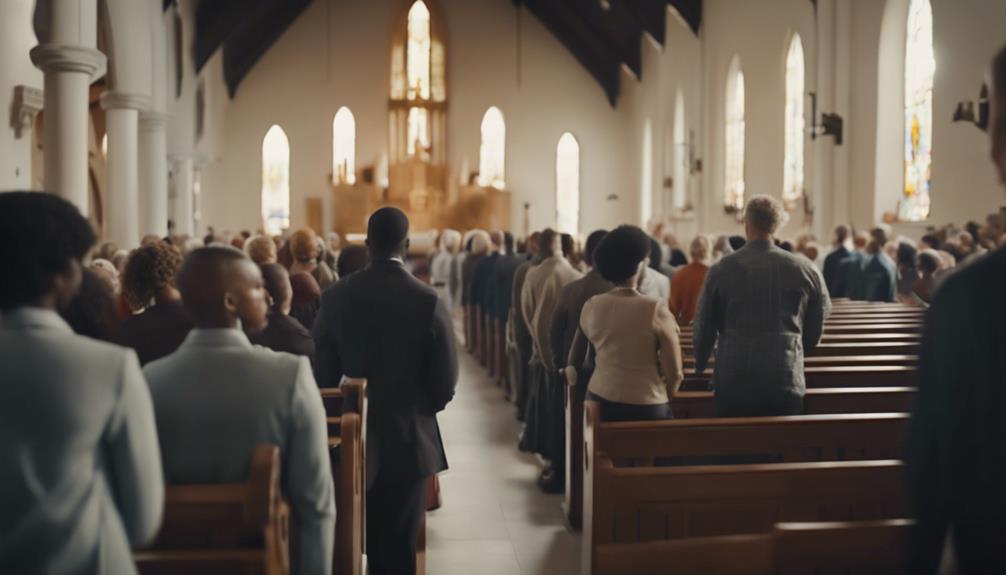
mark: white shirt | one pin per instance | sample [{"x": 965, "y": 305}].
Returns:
[{"x": 80, "y": 478}]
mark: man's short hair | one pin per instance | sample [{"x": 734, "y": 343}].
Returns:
[
  {"x": 352, "y": 258},
  {"x": 40, "y": 234},
  {"x": 276, "y": 281},
  {"x": 203, "y": 278},
  {"x": 387, "y": 229},
  {"x": 593, "y": 240},
  {"x": 764, "y": 213},
  {"x": 546, "y": 241},
  {"x": 618, "y": 255},
  {"x": 842, "y": 233}
]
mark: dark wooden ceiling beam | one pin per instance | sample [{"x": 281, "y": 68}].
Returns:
[{"x": 621, "y": 30}]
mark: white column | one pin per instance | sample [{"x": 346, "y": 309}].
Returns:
[
  {"x": 68, "y": 72},
  {"x": 153, "y": 164},
  {"x": 122, "y": 119},
  {"x": 181, "y": 191}
]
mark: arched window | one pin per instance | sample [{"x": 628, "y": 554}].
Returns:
[
  {"x": 734, "y": 137},
  {"x": 920, "y": 66},
  {"x": 275, "y": 181},
  {"x": 344, "y": 147},
  {"x": 567, "y": 184},
  {"x": 680, "y": 153},
  {"x": 646, "y": 177},
  {"x": 792, "y": 189},
  {"x": 492, "y": 152},
  {"x": 417, "y": 121}
]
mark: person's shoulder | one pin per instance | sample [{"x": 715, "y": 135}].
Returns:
[{"x": 965, "y": 284}]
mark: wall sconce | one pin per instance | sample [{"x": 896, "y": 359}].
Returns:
[
  {"x": 830, "y": 125},
  {"x": 27, "y": 104},
  {"x": 965, "y": 111}
]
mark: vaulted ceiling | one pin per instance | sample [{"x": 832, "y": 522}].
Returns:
[{"x": 601, "y": 35}]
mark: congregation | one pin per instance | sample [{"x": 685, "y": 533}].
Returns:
[{"x": 184, "y": 354}]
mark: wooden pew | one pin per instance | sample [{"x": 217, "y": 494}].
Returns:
[
  {"x": 346, "y": 408},
  {"x": 864, "y": 547},
  {"x": 699, "y": 404},
  {"x": 234, "y": 528},
  {"x": 836, "y": 361},
  {"x": 640, "y": 504},
  {"x": 832, "y": 376},
  {"x": 795, "y": 438}
]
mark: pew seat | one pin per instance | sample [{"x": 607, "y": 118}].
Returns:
[
  {"x": 233, "y": 528},
  {"x": 346, "y": 409},
  {"x": 831, "y": 376},
  {"x": 696, "y": 404}
]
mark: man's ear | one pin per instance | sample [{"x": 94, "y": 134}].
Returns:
[{"x": 230, "y": 302}]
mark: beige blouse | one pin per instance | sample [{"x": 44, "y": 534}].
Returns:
[{"x": 638, "y": 352}]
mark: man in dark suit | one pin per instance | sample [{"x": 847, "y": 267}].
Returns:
[
  {"x": 834, "y": 260},
  {"x": 956, "y": 460},
  {"x": 384, "y": 325}
]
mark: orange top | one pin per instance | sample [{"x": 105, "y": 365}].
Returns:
[{"x": 686, "y": 286}]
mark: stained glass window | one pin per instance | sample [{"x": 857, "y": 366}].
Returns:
[
  {"x": 418, "y": 130},
  {"x": 734, "y": 137},
  {"x": 275, "y": 181},
  {"x": 920, "y": 66},
  {"x": 418, "y": 66},
  {"x": 793, "y": 166},
  {"x": 492, "y": 153},
  {"x": 344, "y": 147},
  {"x": 567, "y": 184}
]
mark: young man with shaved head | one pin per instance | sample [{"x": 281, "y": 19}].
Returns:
[
  {"x": 384, "y": 325},
  {"x": 956, "y": 459},
  {"x": 219, "y": 396}
]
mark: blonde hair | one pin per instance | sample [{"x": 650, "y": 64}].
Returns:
[
  {"x": 304, "y": 245},
  {"x": 480, "y": 242},
  {"x": 261, "y": 249},
  {"x": 699, "y": 248}
]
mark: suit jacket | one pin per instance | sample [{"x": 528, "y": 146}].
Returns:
[
  {"x": 832, "y": 263},
  {"x": 218, "y": 397},
  {"x": 385, "y": 325},
  {"x": 482, "y": 282},
  {"x": 878, "y": 279},
  {"x": 285, "y": 333},
  {"x": 849, "y": 276},
  {"x": 156, "y": 332},
  {"x": 539, "y": 298},
  {"x": 81, "y": 479},
  {"x": 955, "y": 456},
  {"x": 767, "y": 308},
  {"x": 521, "y": 334},
  {"x": 505, "y": 269},
  {"x": 566, "y": 317}
]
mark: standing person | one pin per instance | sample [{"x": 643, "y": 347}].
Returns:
[
  {"x": 270, "y": 397},
  {"x": 539, "y": 298},
  {"x": 566, "y": 318},
  {"x": 652, "y": 281},
  {"x": 687, "y": 282},
  {"x": 849, "y": 280},
  {"x": 477, "y": 249},
  {"x": 283, "y": 333},
  {"x": 480, "y": 298},
  {"x": 767, "y": 308},
  {"x": 440, "y": 266},
  {"x": 634, "y": 336},
  {"x": 148, "y": 283},
  {"x": 521, "y": 344},
  {"x": 833, "y": 261},
  {"x": 81, "y": 479},
  {"x": 956, "y": 463},
  {"x": 878, "y": 279},
  {"x": 383, "y": 324},
  {"x": 502, "y": 294}
]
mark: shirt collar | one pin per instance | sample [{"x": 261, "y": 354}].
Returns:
[
  {"x": 223, "y": 337},
  {"x": 35, "y": 318}
]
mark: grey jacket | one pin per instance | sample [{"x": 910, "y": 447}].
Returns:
[{"x": 767, "y": 308}]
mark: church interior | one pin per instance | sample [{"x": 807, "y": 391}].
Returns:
[{"x": 866, "y": 127}]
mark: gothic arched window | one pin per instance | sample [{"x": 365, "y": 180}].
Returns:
[
  {"x": 275, "y": 181},
  {"x": 920, "y": 67},
  {"x": 567, "y": 184},
  {"x": 492, "y": 152},
  {"x": 734, "y": 137},
  {"x": 680, "y": 192},
  {"x": 344, "y": 147},
  {"x": 792, "y": 187}
]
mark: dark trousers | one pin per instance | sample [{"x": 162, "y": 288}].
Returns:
[
  {"x": 740, "y": 405},
  {"x": 395, "y": 508},
  {"x": 614, "y": 411}
]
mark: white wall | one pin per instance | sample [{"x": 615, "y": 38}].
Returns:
[
  {"x": 17, "y": 37},
  {"x": 336, "y": 54}
]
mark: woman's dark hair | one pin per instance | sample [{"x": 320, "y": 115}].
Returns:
[
  {"x": 568, "y": 245},
  {"x": 93, "y": 312},
  {"x": 149, "y": 269},
  {"x": 618, "y": 255},
  {"x": 907, "y": 254},
  {"x": 352, "y": 258},
  {"x": 40, "y": 234},
  {"x": 656, "y": 254},
  {"x": 593, "y": 240},
  {"x": 678, "y": 258},
  {"x": 737, "y": 242}
]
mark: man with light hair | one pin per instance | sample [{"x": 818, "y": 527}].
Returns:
[
  {"x": 762, "y": 309},
  {"x": 686, "y": 285}
]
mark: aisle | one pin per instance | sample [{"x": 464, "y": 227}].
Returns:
[{"x": 494, "y": 520}]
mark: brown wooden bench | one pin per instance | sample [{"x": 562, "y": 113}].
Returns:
[
  {"x": 863, "y": 547},
  {"x": 835, "y": 361},
  {"x": 699, "y": 404},
  {"x": 834, "y": 437},
  {"x": 346, "y": 409},
  {"x": 831, "y": 376},
  {"x": 233, "y": 528}
]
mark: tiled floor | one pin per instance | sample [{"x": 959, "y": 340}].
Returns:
[{"x": 494, "y": 519}]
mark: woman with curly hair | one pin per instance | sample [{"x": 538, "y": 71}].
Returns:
[
  {"x": 306, "y": 249},
  {"x": 159, "y": 324}
]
